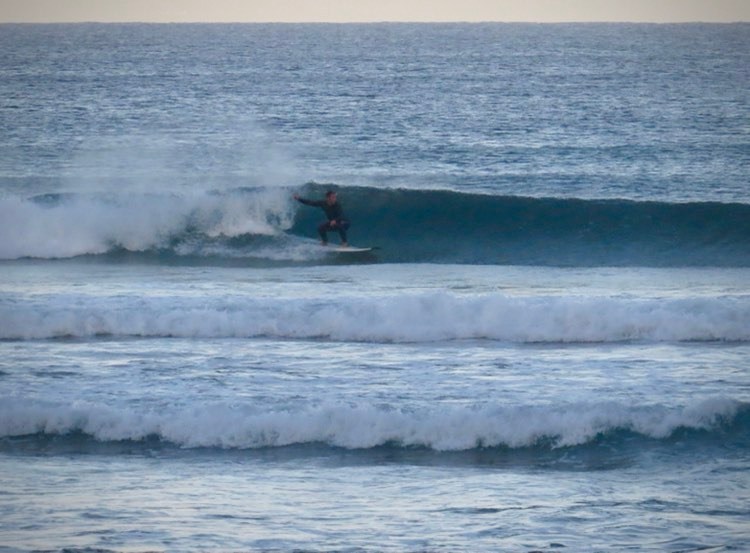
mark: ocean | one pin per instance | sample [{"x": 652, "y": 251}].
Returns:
[{"x": 548, "y": 348}]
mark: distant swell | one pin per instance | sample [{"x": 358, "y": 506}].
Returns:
[
  {"x": 265, "y": 226},
  {"x": 366, "y": 426},
  {"x": 417, "y": 317}
]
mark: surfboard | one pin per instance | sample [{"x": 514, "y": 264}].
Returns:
[{"x": 347, "y": 249}]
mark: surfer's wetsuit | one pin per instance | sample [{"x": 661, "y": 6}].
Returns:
[{"x": 334, "y": 213}]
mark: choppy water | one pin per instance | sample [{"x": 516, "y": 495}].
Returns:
[{"x": 548, "y": 351}]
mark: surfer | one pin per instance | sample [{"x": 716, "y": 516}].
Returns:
[{"x": 334, "y": 213}]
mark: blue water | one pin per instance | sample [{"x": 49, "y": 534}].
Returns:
[{"x": 548, "y": 350}]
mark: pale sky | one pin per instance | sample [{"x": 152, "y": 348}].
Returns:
[{"x": 660, "y": 11}]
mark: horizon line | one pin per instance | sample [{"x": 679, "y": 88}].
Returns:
[{"x": 378, "y": 22}]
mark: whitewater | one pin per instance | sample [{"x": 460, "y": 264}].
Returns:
[
  {"x": 547, "y": 350},
  {"x": 416, "y": 317}
]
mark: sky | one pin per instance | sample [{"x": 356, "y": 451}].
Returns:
[{"x": 659, "y": 11}]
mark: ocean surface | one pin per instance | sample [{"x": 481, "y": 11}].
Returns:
[{"x": 547, "y": 350}]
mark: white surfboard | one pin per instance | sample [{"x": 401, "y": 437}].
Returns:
[{"x": 347, "y": 249}]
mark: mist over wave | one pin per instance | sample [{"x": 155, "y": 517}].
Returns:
[
  {"x": 181, "y": 223},
  {"x": 362, "y": 426},
  {"x": 415, "y": 317},
  {"x": 438, "y": 226}
]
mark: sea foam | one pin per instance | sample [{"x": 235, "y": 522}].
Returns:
[
  {"x": 363, "y": 426},
  {"x": 409, "y": 317},
  {"x": 62, "y": 226}
]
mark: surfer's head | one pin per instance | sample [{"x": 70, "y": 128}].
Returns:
[{"x": 331, "y": 197}]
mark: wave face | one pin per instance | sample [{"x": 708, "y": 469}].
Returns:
[
  {"x": 446, "y": 226},
  {"x": 416, "y": 317},
  {"x": 366, "y": 426},
  {"x": 265, "y": 225}
]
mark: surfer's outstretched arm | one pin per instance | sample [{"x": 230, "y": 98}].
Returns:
[{"x": 314, "y": 203}]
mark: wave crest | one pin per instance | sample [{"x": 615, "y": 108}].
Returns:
[
  {"x": 366, "y": 426},
  {"x": 61, "y": 226},
  {"x": 418, "y": 317}
]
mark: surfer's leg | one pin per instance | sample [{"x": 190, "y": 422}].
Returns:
[
  {"x": 323, "y": 231},
  {"x": 341, "y": 227}
]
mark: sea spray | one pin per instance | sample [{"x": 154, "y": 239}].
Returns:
[{"x": 60, "y": 226}]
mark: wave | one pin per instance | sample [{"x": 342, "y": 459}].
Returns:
[
  {"x": 365, "y": 426},
  {"x": 442, "y": 226},
  {"x": 408, "y": 317},
  {"x": 173, "y": 224},
  {"x": 447, "y": 226}
]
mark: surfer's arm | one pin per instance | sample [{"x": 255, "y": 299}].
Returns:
[{"x": 314, "y": 203}]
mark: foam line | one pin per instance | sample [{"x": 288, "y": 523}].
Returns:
[
  {"x": 365, "y": 426},
  {"x": 417, "y": 317}
]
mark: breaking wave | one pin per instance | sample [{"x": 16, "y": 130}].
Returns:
[
  {"x": 410, "y": 317},
  {"x": 365, "y": 426},
  {"x": 442, "y": 226}
]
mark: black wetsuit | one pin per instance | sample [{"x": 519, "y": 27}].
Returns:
[{"x": 334, "y": 214}]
